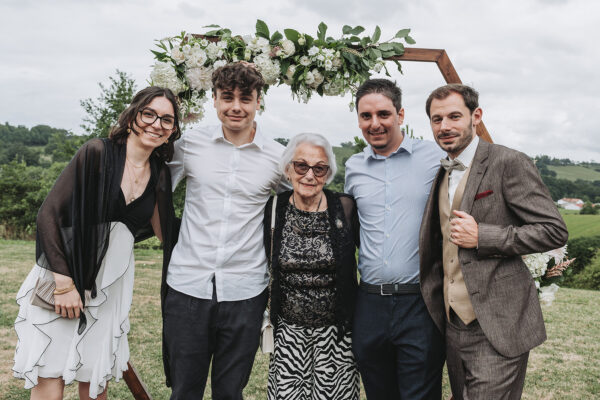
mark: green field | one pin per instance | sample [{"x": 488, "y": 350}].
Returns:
[
  {"x": 574, "y": 172},
  {"x": 581, "y": 225},
  {"x": 565, "y": 367}
]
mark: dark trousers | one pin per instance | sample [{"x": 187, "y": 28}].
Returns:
[
  {"x": 398, "y": 348},
  {"x": 476, "y": 369},
  {"x": 197, "y": 330}
]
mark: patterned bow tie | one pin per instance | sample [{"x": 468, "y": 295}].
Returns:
[{"x": 449, "y": 165}]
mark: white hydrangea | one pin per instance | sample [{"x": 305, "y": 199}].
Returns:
[
  {"x": 164, "y": 75},
  {"x": 257, "y": 44},
  {"x": 213, "y": 51},
  {"x": 199, "y": 78},
  {"x": 268, "y": 68},
  {"x": 537, "y": 263}
]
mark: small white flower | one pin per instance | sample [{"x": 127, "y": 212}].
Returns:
[
  {"x": 328, "y": 65},
  {"x": 301, "y": 40},
  {"x": 309, "y": 78},
  {"x": 203, "y": 42},
  {"x": 186, "y": 48},
  {"x": 222, "y": 44},
  {"x": 313, "y": 50},
  {"x": 219, "y": 64},
  {"x": 304, "y": 60},
  {"x": 247, "y": 54}
]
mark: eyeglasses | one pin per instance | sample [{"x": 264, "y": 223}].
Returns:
[
  {"x": 148, "y": 116},
  {"x": 302, "y": 168}
]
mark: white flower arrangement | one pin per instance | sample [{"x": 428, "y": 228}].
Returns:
[
  {"x": 327, "y": 66},
  {"x": 547, "y": 268}
]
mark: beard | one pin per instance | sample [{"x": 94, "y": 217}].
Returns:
[{"x": 463, "y": 141}]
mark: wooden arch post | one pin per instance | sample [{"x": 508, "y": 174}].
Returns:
[{"x": 440, "y": 57}]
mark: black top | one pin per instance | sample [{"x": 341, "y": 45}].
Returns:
[
  {"x": 307, "y": 267},
  {"x": 343, "y": 224},
  {"x": 137, "y": 213}
]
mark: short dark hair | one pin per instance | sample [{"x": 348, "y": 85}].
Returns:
[
  {"x": 238, "y": 75},
  {"x": 124, "y": 127},
  {"x": 469, "y": 95},
  {"x": 384, "y": 86}
]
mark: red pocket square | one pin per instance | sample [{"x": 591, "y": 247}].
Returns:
[{"x": 483, "y": 194}]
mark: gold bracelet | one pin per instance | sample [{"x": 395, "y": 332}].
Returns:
[{"x": 64, "y": 290}]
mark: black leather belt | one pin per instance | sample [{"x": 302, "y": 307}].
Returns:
[{"x": 388, "y": 289}]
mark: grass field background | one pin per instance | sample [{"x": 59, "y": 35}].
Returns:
[
  {"x": 581, "y": 225},
  {"x": 565, "y": 367},
  {"x": 574, "y": 172}
]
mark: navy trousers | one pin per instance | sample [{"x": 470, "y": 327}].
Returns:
[
  {"x": 198, "y": 330},
  {"x": 399, "y": 350}
]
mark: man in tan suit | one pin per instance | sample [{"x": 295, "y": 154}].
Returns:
[{"x": 487, "y": 207}]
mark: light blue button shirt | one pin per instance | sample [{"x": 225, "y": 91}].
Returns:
[{"x": 391, "y": 193}]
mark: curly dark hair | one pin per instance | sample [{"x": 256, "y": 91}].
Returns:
[
  {"x": 238, "y": 75},
  {"x": 121, "y": 131}
]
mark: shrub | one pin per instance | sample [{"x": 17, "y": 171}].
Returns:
[
  {"x": 589, "y": 278},
  {"x": 583, "y": 249}
]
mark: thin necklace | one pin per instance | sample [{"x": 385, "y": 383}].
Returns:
[
  {"x": 137, "y": 166},
  {"x": 132, "y": 185},
  {"x": 318, "y": 205}
]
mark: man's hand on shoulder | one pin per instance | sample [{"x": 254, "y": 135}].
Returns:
[{"x": 463, "y": 230}]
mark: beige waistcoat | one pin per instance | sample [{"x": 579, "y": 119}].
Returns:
[{"x": 455, "y": 291}]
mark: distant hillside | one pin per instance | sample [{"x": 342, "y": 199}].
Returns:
[{"x": 574, "y": 172}]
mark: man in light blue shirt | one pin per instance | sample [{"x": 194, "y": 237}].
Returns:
[{"x": 398, "y": 348}]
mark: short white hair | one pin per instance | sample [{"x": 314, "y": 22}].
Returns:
[{"x": 313, "y": 139}]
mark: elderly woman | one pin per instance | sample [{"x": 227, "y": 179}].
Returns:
[
  {"x": 313, "y": 278},
  {"x": 74, "y": 304}
]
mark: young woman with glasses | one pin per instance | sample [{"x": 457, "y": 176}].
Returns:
[{"x": 74, "y": 304}]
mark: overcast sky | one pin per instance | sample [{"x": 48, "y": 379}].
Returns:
[{"x": 534, "y": 62}]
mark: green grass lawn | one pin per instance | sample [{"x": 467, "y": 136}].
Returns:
[
  {"x": 565, "y": 367},
  {"x": 581, "y": 225},
  {"x": 574, "y": 172}
]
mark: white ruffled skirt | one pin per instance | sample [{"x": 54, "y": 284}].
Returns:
[{"x": 49, "y": 346}]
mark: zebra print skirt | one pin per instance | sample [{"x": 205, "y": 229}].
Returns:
[{"x": 310, "y": 364}]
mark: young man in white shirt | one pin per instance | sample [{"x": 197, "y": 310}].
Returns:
[{"x": 217, "y": 276}]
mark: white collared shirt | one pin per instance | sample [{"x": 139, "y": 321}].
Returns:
[
  {"x": 465, "y": 157},
  {"x": 221, "y": 232}
]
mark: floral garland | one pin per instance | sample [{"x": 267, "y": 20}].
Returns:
[
  {"x": 327, "y": 66},
  {"x": 547, "y": 269}
]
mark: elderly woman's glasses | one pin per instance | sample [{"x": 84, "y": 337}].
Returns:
[
  {"x": 148, "y": 116},
  {"x": 302, "y": 168}
]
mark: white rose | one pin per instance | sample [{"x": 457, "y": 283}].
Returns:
[
  {"x": 304, "y": 60},
  {"x": 199, "y": 78},
  {"x": 309, "y": 79},
  {"x": 197, "y": 57},
  {"x": 287, "y": 47},
  {"x": 213, "y": 51},
  {"x": 318, "y": 78},
  {"x": 313, "y": 50},
  {"x": 177, "y": 55}
]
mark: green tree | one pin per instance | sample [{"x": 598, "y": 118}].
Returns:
[
  {"x": 102, "y": 113},
  {"x": 588, "y": 208}
]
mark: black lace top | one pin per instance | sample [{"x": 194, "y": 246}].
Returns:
[{"x": 307, "y": 269}]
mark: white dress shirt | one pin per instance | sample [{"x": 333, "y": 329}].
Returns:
[
  {"x": 221, "y": 234},
  {"x": 465, "y": 157}
]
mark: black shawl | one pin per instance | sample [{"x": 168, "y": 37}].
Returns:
[
  {"x": 343, "y": 220},
  {"x": 73, "y": 224}
]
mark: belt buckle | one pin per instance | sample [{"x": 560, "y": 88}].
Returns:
[{"x": 381, "y": 291}]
